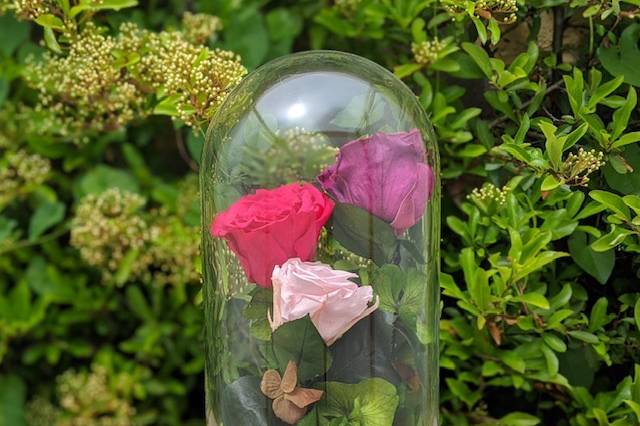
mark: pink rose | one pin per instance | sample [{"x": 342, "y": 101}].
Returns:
[
  {"x": 269, "y": 227},
  {"x": 327, "y": 295},
  {"x": 385, "y": 174}
]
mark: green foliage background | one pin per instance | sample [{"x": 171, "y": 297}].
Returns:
[{"x": 535, "y": 107}]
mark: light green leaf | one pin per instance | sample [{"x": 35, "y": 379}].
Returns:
[
  {"x": 519, "y": 419},
  {"x": 603, "y": 91},
  {"x": 256, "y": 312},
  {"x": 404, "y": 70},
  {"x": 168, "y": 106},
  {"x": 480, "y": 57},
  {"x": 515, "y": 251},
  {"x": 610, "y": 240},
  {"x": 48, "y": 20},
  {"x": 611, "y": 201},
  {"x": 584, "y": 336},
  {"x": 534, "y": 244},
  {"x": 554, "y": 342},
  {"x": 50, "y": 41},
  {"x": 554, "y": 145},
  {"x": 46, "y": 215},
  {"x": 536, "y": 263},
  {"x": 124, "y": 268},
  {"x": 480, "y": 28},
  {"x": 636, "y": 313},
  {"x": 445, "y": 65},
  {"x": 138, "y": 303},
  {"x": 472, "y": 151},
  {"x": 622, "y": 114},
  {"x": 632, "y": 201},
  {"x": 550, "y": 183},
  {"x": 535, "y": 299},
  {"x": 626, "y": 139},
  {"x": 494, "y": 29},
  {"x": 635, "y": 407},
  {"x": 514, "y": 361},
  {"x": 462, "y": 391},
  {"x": 401, "y": 292},
  {"x": 551, "y": 359},
  {"x": 575, "y": 136},
  {"x": 598, "y": 317},
  {"x": 562, "y": 297}
]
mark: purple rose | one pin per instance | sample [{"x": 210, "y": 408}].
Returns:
[{"x": 385, "y": 174}]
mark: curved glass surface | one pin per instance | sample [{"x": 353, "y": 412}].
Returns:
[{"x": 320, "y": 207}]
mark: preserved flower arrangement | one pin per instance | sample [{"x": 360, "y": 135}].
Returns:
[{"x": 320, "y": 202}]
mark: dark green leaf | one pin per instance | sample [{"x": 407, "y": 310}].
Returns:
[
  {"x": 366, "y": 350},
  {"x": 627, "y": 183},
  {"x": 12, "y": 34},
  {"x": 363, "y": 233},
  {"x": 13, "y": 393},
  {"x": 597, "y": 264},
  {"x": 299, "y": 341},
  {"x": 243, "y": 404},
  {"x": 101, "y": 178},
  {"x": 623, "y": 59}
]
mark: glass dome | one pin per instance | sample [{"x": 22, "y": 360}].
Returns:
[{"x": 320, "y": 207}]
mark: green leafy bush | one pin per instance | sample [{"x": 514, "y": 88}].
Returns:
[{"x": 535, "y": 108}]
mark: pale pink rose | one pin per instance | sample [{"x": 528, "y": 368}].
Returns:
[{"x": 327, "y": 295}]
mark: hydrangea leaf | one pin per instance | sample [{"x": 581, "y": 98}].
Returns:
[
  {"x": 372, "y": 402},
  {"x": 401, "y": 292}
]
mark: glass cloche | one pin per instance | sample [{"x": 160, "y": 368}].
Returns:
[{"x": 320, "y": 207}]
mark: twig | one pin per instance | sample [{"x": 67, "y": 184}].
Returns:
[
  {"x": 184, "y": 153},
  {"x": 43, "y": 239}
]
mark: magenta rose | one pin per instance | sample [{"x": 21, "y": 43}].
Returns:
[
  {"x": 385, "y": 174},
  {"x": 267, "y": 228}
]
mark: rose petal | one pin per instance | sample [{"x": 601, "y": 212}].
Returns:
[
  {"x": 267, "y": 228},
  {"x": 385, "y": 174},
  {"x": 345, "y": 327},
  {"x": 333, "y": 302},
  {"x": 412, "y": 205}
]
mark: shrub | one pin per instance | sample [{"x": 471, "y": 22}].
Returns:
[{"x": 535, "y": 108}]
